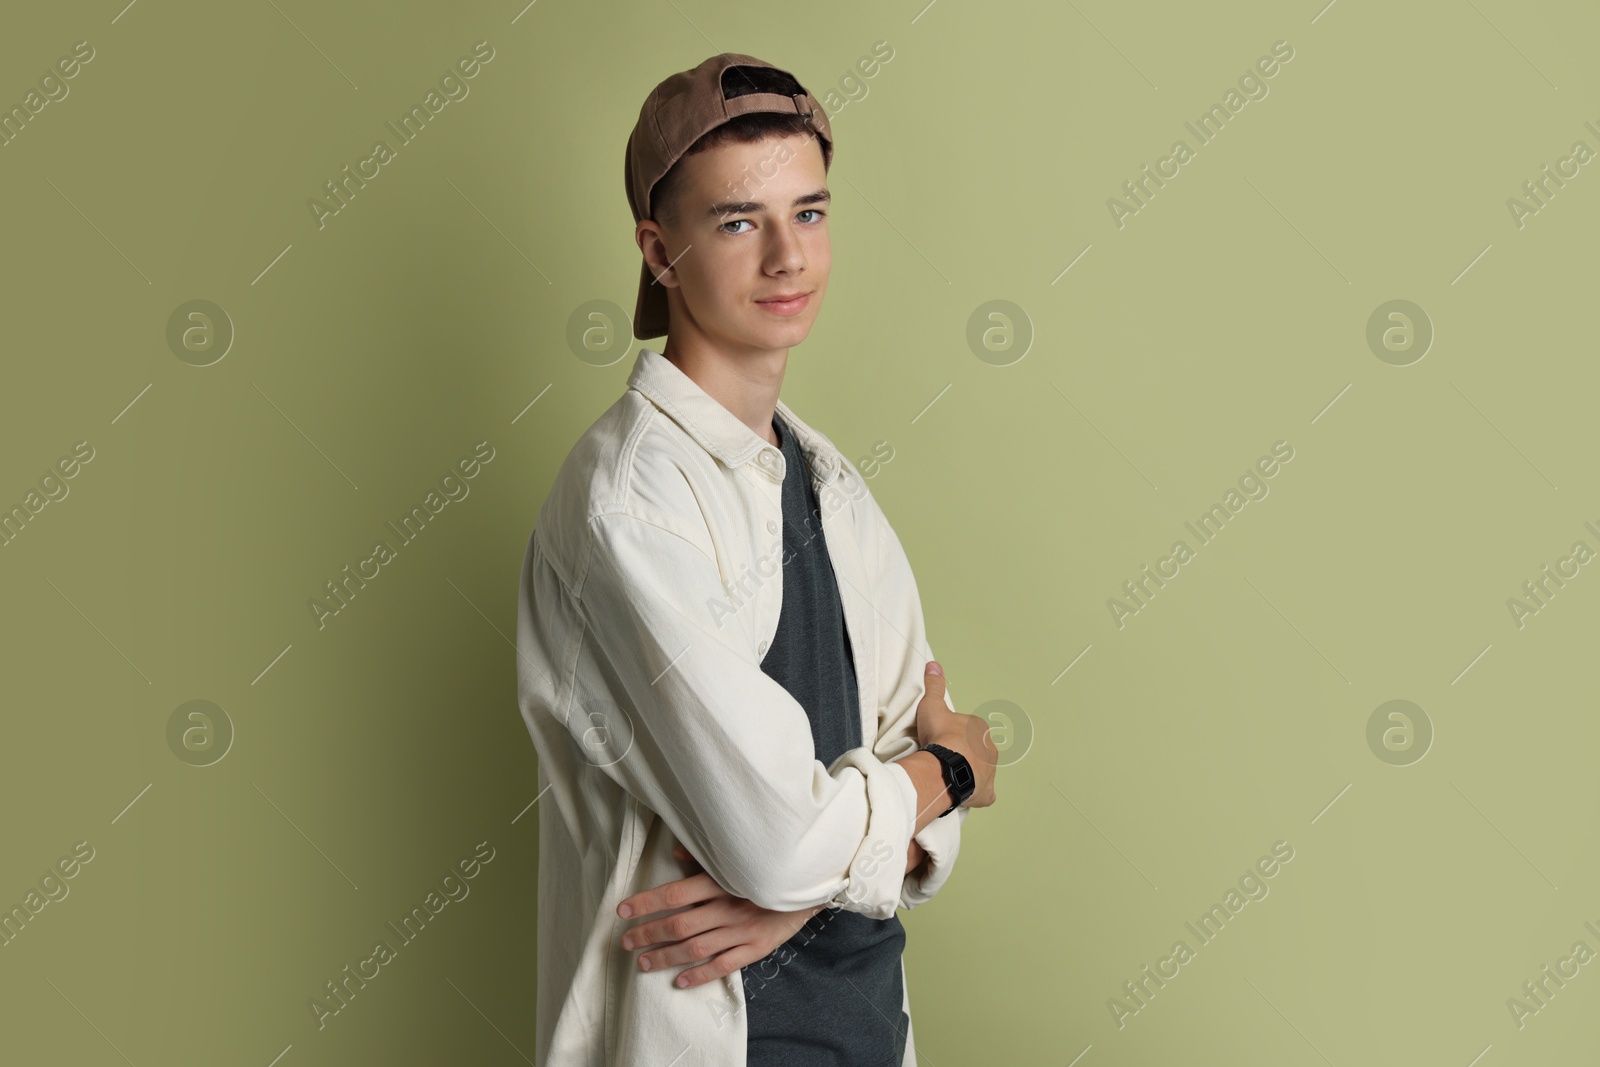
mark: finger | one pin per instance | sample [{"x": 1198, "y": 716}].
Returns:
[
  {"x": 697, "y": 949},
  {"x": 669, "y": 895},
  {"x": 723, "y": 965},
  {"x": 679, "y": 926}
]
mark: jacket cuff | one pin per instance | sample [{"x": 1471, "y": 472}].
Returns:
[
  {"x": 876, "y": 873},
  {"x": 941, "y": 839}
]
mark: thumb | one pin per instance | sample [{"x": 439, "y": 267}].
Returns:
[{"x": 933, "y": 677}]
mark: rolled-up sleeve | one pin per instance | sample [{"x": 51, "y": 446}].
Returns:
[
  {"x": 713, "y": 745},
  {"x": 903, "y": 652}
]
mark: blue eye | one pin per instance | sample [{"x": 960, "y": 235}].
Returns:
[{"x": 808, "y": 211}]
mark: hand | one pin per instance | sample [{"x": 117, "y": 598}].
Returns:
[
  {"x": 730, "y": 931},
  {"x": 966, "y": 734}
]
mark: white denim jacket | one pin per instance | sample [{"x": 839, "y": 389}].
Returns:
[{"x": 650, "y": 592}]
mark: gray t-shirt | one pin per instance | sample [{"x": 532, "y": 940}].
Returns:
[{"x": 836, "y": 1001}]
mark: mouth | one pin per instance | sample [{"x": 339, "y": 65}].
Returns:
[{"x": 786, "y": 303}]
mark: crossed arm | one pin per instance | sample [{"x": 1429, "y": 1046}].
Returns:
[{"x": 704, "y": 694}]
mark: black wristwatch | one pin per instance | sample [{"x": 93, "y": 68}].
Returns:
[{"x": 957, "y": 775}]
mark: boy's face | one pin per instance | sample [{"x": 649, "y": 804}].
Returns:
[{"x": 751, "y": 225}]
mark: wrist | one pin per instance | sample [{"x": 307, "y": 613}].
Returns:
[{"x": 955, "y": 770}]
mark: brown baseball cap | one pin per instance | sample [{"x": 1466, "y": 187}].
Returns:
[{"x": 676, "y": 114}]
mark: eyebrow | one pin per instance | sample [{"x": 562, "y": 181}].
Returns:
[{"x": 747, "y": 207}]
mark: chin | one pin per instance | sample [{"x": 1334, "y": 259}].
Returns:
[{"x": 782, "y": 334}]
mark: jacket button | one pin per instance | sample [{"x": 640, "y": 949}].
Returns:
[
  {"x": 761, "y": 649},
  {"x": 772, "y": 527},
  {"x": 766, "y": 457}
]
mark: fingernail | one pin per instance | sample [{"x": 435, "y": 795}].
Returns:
[
  {"x": 934, "y": 668},
  {"x": 625, "y": 911},
  {"x": 627, "y": 941},
  {"x": 644, "y": 961},
  {"x": 683, "y": 980}
]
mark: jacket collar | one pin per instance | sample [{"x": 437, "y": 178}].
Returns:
[{"x": 714, "y": 427}]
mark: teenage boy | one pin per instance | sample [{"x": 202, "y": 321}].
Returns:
[{"x": 722, "y": 657}]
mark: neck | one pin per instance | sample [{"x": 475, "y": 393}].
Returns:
[{"x": 746, "y": 383}]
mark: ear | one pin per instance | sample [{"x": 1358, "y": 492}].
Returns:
[{"x": 648, "y": 237}]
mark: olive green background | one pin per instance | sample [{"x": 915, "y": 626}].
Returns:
[{"x": 1148, "y": 766}]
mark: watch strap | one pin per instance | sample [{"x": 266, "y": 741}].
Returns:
[{"x": 957, "y": 775}]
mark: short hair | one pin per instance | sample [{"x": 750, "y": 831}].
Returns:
[{"x": 744, "y": 129}]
